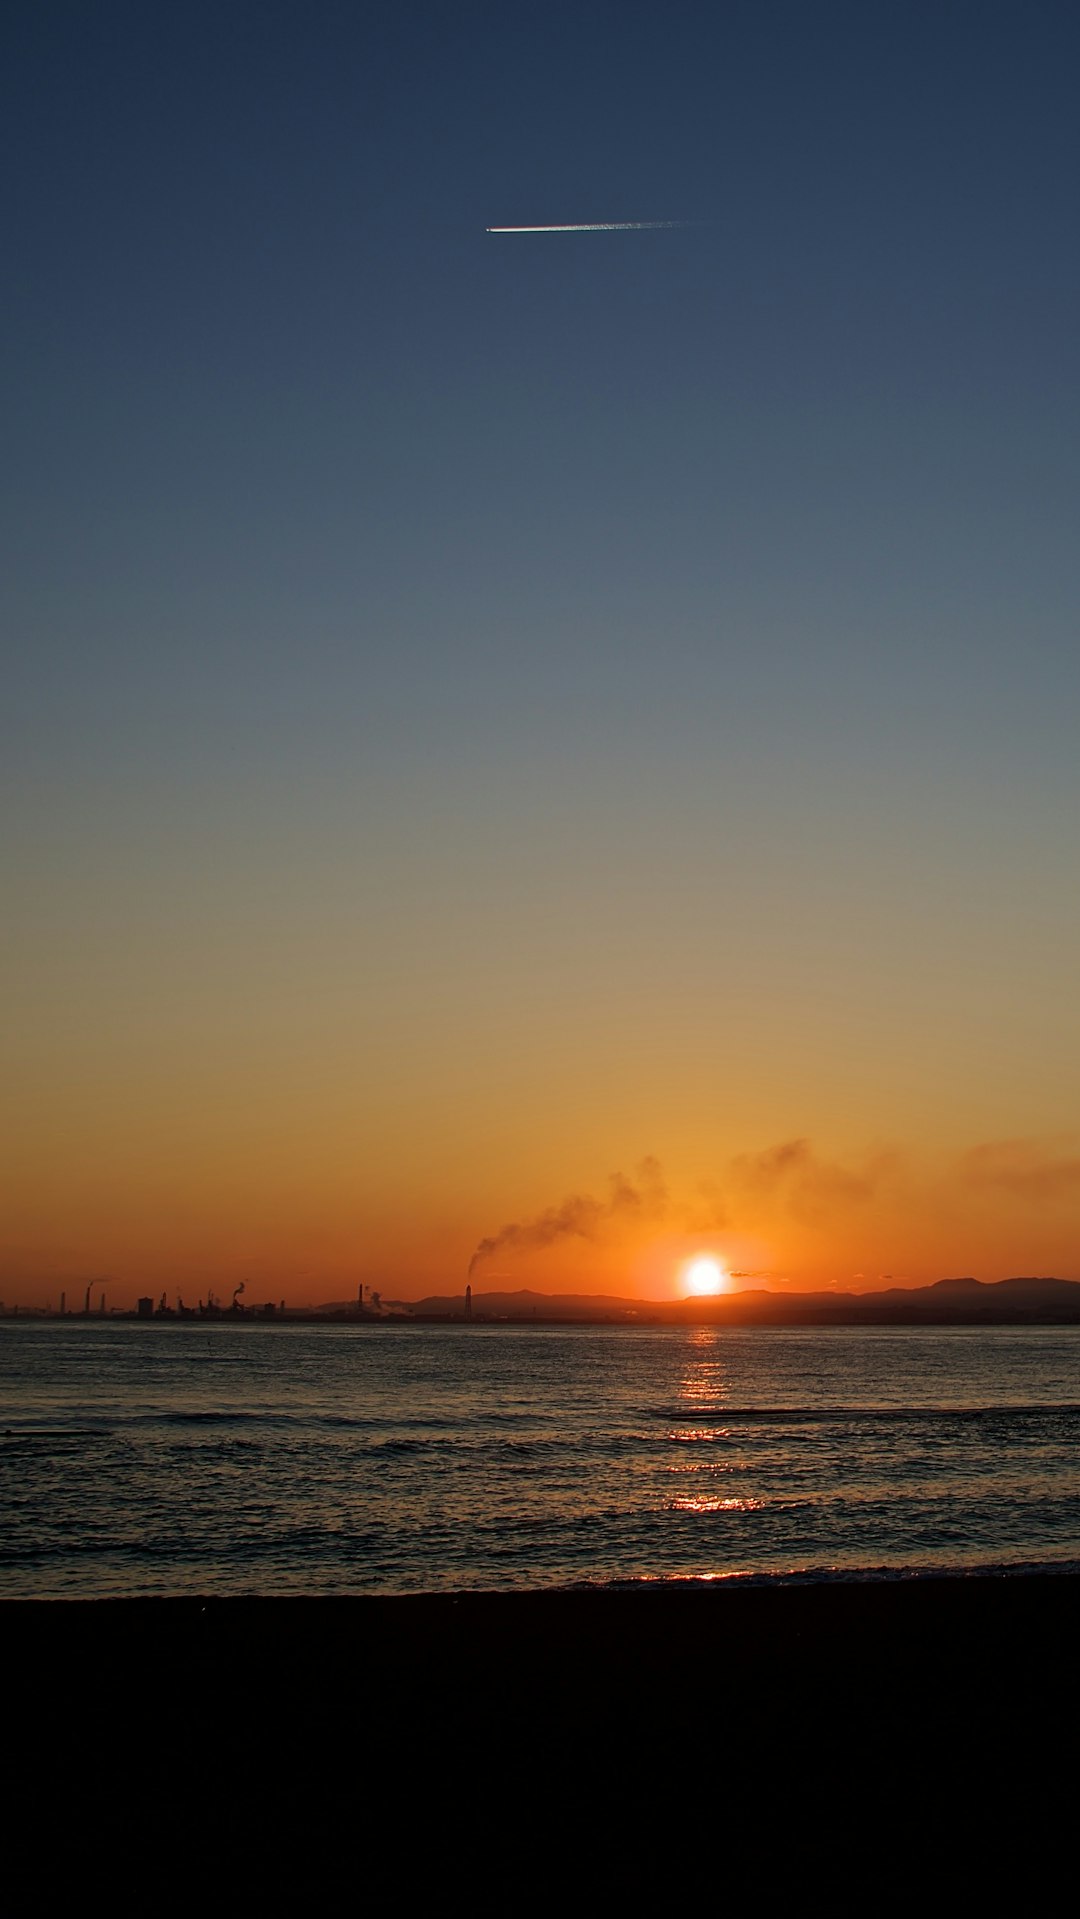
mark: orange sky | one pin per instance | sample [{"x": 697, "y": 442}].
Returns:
[
  {"x": 230, "y": 1067},
  {"x": 311, "y": 1225},
  {"x": 243, "y": 1047}
]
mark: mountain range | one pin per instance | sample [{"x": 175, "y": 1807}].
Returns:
[{"x": 963, "y": 1301}]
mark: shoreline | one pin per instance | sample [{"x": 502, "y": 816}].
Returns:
[
  {"x": 921, "y": 1607},
  {"x": 685, "y": 1317},
  {"x": 434, "y": 1639},
  {"x": 631, "y": 1587}
]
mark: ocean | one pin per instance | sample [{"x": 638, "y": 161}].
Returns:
[{"x": 208, "y": 1458}]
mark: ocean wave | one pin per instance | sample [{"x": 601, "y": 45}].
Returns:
[{"x": 729, "y": 1415}]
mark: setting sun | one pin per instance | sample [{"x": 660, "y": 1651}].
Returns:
[{"x": 705, "y": 1276}]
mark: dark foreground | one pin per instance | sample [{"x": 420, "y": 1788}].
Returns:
[{"x": 919, "y": 1714}]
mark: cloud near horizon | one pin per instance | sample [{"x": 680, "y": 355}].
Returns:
[
  {"x": 793, "y": 1179},
  {"x": 1027, "y": 1169}
]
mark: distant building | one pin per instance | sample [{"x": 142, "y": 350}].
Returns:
[{"x": 146, "y": 1308}]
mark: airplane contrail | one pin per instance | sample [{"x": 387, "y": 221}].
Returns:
[{"x": 596, "y": 226}]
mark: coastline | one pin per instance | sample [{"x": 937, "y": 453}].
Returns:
[{"x": 779, "y": 1316}]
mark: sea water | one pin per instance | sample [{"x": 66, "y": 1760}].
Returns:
[{"x": 213, "y": 1458}]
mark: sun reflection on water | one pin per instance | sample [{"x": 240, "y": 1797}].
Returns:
[
  {"x": 698, "y": 1435},
  {"x": 705, "y": 1384},
  {"x": 705, "y": 1389},
  {"x": 704, "y": 1505}
]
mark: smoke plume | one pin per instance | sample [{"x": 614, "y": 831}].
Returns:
[{"x": 583, "y": 1216}]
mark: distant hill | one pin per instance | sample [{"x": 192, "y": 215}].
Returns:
[{"x": 963, "y": 1301}]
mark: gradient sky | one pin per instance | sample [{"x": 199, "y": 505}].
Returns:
[{"x": 485, "y": 712}]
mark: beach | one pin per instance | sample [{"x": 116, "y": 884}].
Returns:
[
  {"x": 847, "y": 1747},
  {"x": 443, "y": 1693}
]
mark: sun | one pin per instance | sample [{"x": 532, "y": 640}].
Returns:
[{"x": 705, "y": 1275}]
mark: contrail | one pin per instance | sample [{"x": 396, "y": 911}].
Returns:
[{"x": 597, "y": 226}]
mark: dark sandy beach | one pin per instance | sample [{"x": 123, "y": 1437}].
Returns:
[{"x": 923, "y": 1700}]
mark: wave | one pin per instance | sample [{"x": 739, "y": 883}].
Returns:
[{"x": 722, "y": 1414}]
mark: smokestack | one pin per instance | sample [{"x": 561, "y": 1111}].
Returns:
[{"x": 468, "y": 1302}]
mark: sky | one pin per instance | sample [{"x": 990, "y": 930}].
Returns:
[{"x": 562, "y": 740}]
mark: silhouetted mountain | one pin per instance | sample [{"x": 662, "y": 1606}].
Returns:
[
  {"x": 946, "y": 1302},
  {"x": 963, "y": 1301}
]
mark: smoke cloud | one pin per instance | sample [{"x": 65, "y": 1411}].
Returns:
[
  {"x": 583, "y": 1216},
  {"x": 789, "y": 1178},
  {"x": 1026, "y": 1168},
  {"x": 792, "y": 1178}
]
